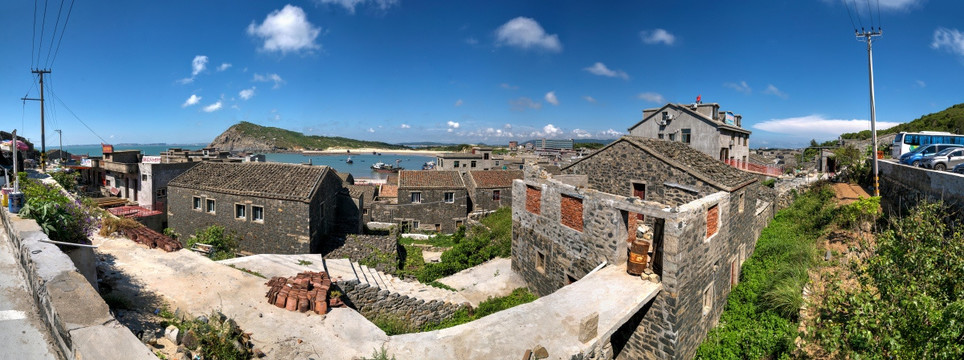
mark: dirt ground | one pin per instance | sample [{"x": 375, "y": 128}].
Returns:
[{"x": 847, "y": 193}]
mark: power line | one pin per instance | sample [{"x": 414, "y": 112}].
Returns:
[
  {"x": 846, "y": 6},
  {"x": 75, "y": 116},
  {"x": 879, "y": 23},
  {"x": 53, "y": 36},
  {"x": 62, "y": 31},
  {"x": 34, "y": 39},
  {"x": 870, "y": 11},
  {"x": 858, "y": 15},
  {"x": 43, "y": 25}
]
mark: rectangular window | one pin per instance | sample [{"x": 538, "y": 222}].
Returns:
[
  {"x": 143, "y": 177},
  {"x": 742, "y": 201},
  {"x": 257, "y": 213},
  {"x": 639, "y": 192},
  {"x": 540, "y": 261},
  {"x": 712, "y": 221},
  {"x": 416, "y": 197},
  {"x": 458, "y": 224},
  {"x": 685, "y": 137},
  {"x": 660, "y": 136},
  {"x": 707, "y": 299},
  {"x": 210, "y": 206},
  {"x": 239, "y": 212},
  {"x": 197, "y": 203},
  {"x": 672, "y": 137},
  {"x": 533, "y": 199},
  {"x": 455, "y": 163},
  {"x": 571, "y": 212},
  {"x": 497, "y": 163},
  {"x": 162, "y": 192},
  {"x": 473, "y": 163},
  {"x": 449, "y": 197},
  {"x": 496, "y": 194},
  {"x": 415, "y": 225}
]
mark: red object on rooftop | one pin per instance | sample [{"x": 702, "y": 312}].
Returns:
[{"x": 132, "y": 211}]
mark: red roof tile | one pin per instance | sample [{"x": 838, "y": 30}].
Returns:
[
  {"x": 494, "y": 178},
  {"x": 419, "y": 179}
]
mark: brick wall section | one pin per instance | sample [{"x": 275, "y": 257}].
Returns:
[
  {"x": 712, "y": 220},
  {"x": 533, "y": 200},
  {"x": 571, "y": 212},
  {"x": 372, "y": 302}
]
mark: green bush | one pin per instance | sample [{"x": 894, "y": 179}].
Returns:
[
  {"x": 224, "y": 244},
  {"x": 67, "y": 180},
  {"x": 61, "y": 218},
  {"x": 760, "y": 317}
]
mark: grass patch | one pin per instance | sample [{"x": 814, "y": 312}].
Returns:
[
  {"x": 216, "y": 338},
  {"x": 760, "y": 318},
  {"x": 441, "y": 286},
  {"x": 393, "y": 325},
  {"x": 379, "y": 355},
  {"x": 255, "y": 273},
  {"x": 304, "y": 262},
  {"x": 440, "y": 240}
]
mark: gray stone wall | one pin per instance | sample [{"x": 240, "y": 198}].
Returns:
[
  {"x": 432, "y": 210},
  {"x": 483, "y": 199},
  {"x": 614, "y": 171},
  {"x": 364, "y": 248},
  {"x": 286, "y": 228},
  {"x": 373, "y": 302},
  {"x": 902, "y": 187}
]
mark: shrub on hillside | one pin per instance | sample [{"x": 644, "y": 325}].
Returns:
[{"x": 224, "y": 244}]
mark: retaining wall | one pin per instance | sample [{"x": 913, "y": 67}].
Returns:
[
  {"x": 904, "y": 187},
  {"x": 74, "y": 313},
  {"x": 372, "y": 302}
]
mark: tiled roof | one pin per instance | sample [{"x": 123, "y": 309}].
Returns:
[
  {"x": 346, "y": 178},
  {"x": 270, "y": 180},
  {"x": 460, "y": 156},
  {"x": 392, "y": 179},
  {"x": 688, "y": 159},
  {"x": 388, "y": 191},
  {"x": 494, "y": 178},
  {"x": 429, "y": 179},
  {"x": 367, "y": 192}
]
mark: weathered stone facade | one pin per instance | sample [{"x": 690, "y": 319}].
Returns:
[
  {"x": 490, "y": 190},
  {"x": 697, "y": 267},
  {"x": 288, "y": 224},
  {"x": 361, "y": 248},
  {"x": 902, "y": 187},
  {"x": 425, "y": 200},
  {"x": 373, "y": 302}
]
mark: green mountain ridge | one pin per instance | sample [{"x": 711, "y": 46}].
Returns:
[
  {"x": 246, "y": 136},
  {"x": 950, "y": 120}
]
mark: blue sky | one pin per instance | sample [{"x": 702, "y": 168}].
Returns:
[{"x": 454, "y": 71}]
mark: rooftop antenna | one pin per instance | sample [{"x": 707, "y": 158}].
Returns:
[{"x": 868, "y": 37}]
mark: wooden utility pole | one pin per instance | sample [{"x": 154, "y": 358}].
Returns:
[
  {"x": 868, "y": 37},
  {"x": 43, "y": 134}
]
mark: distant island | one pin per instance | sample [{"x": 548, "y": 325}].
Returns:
[{"x": 246, "y": 136}]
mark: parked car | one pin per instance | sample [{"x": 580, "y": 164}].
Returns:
[
  {"x": 947, "y": 158},
  {"x": 959, "y": 168},
  {"x": 913, "y": 158}
]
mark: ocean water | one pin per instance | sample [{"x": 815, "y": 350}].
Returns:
[{"x": 360, "y": 169}]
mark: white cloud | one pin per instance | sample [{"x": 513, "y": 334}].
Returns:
[
  {"x": 652, "y": 97},
  {"x": 224, "y": 66},
  {"x": 551, "y": 98},
  {"x": 580, "y": 133},
  {"x": 371, "y": 130},
  {"x": 772, "y": 90},
  {"x": 458, "y": 103},
  {"x": 509, "y": 87},
  {"x": 550, "y": 131},
  {"x": 817, "y": 126},
  {"x": 526, "y": 33},
  {"x": 523, "y": 103},
  {"x": 247, "y": 93},
  {"x": 277, "y": 80},
  {"x": 453, "y": 124},
  {"x": 286, "y": 30},
  {"x": 883, "y": 4},
  {"x": 741, "y": 87},
  {"x": 589, "y": 99},
  {"x": 601, "y": 70},
  {"x": 351, "y": 4},
  {"x": 610, "y": 133},
  {"x": 950, "y": 40},
  {"x": 193, "y": 100},
  {"x": 213, "y": 107},
  {"x": 657, "y": 36},
  {"x": 406, "y": 126},
  {"x": 921, "y": 84},
  {"x": 198, "y": 64}
]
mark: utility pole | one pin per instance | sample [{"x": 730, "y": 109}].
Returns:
[
  {"x": 61, "y": 136},
  {"x": 43, "y": 137},
  {"x": 868, "y": 36}
]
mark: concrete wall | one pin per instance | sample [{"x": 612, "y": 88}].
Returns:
[
  {"x": 77, "y": 318},
  {"x": 153, "y": 188},
  {"x": 904, "y": 186},
  {"x": 704, "y": 136}
]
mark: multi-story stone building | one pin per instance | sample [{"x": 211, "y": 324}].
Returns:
[
  {"x": 700, "y": 217},
  {"x": 273, "y": 207},
  {"x": 120, "y": 171},
  {"x": 479, "y": 159},
  {"x": 702, "y": 126},
  {"x": 424, "y": 200},
  {"x": 490, "y": 190}
]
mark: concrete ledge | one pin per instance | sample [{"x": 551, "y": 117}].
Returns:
[{"x": 76, "y": 316}]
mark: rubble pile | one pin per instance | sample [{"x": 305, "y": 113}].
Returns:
[
  {"x": 152, "y": 239},
  {"x": 307, "y": 291}
]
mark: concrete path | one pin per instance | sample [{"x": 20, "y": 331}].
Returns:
[
  {"x": 492, "y": 279},
  {"x": 22, "y": 333}
]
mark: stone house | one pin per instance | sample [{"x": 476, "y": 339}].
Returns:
[
  {"x": 479, "y": 159},
  {"x": 425, "y": 200},
  {"x": 490, "y": 190},
  {"x": 716, "y": 133},
  {"x": 273, "y": 207},
  {"x": 152, "y": 191},
  {"x": 700, "y": 217},
  {"x": 120, "y": 173}
]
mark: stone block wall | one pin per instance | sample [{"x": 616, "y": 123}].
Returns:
[
  {"x": 373, "y": 302},
  {"x": 360, "y": 248},
  {"x": 483, "y": 199},
  {"x": 902, "y": 187},
  {"x": 432, "y": 210}
]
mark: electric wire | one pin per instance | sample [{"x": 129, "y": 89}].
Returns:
[
  {"x": 878, "y": 16},
  {"x": 53, "y": 35},
  {"x": 870, "y": 12},
  {"x": 33, "y": 40},
  {"x": 858, "y": 15},
  {"x": 52, "y": 92},
  {"x": 62, "y": 31},
  {"x": 43, "y": 25},
  {"x": 847, "y": 6}
]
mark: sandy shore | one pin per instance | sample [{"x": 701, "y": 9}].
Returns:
[{"x": 363, "y": 151}]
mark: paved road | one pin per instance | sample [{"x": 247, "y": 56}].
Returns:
[{"x": 22, "y": 334}]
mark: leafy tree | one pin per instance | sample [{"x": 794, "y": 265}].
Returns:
[{"x": 224, "y": 244}]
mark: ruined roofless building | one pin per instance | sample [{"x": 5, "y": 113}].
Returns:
[
  {"x": 704, "y": 127},
  {"x": 274, "y": 208},
  {"x": 700, "y": 217}
]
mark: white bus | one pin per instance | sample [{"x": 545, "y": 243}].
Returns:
[{"x": 906, "y": 142}]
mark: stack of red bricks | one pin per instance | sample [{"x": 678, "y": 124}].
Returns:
[
  {"x": 307, "y": 291},
  {"x": 152, "y": 239}
]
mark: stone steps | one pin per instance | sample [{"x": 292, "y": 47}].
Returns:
[{"x": 350, "y": 270}]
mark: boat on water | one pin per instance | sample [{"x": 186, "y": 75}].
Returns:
[
  {"x": 349, "y": 161},
  {"x": 383, "y": 167},
  {"x": 428, "y": 166}
]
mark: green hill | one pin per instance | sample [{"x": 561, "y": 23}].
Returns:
[
  {"x": 246, "y": 136},
  {"x": 950, "y": 120}
]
